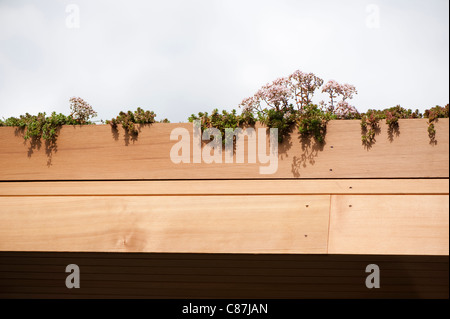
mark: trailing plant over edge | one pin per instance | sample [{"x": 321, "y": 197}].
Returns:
[
  {"x": 223, "y": 120},
  {"x": 130, "y": 118},
  {"x": 283, "y": 120},
  {"x": 433, "y": 115},
  {"x": 370, "y": 122},
  {"x": 46, "y": 127},
  {"x": 313, "y": 122},
  {"x": 283, "y": 104}
]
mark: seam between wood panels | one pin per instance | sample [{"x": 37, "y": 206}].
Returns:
[
  {"x": 329, "y": 226},
  {"x": 220, "y": 179},
  {"x": 217, "y": 194}
]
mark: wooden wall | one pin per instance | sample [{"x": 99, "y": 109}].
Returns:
[
  {"x": 98, "y": 153},
  {"x": 295, "y": 217},
  {"x": 107, "y": 200}
]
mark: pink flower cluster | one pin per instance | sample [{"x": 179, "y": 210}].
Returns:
[
  {"x": 250, "y": 103},
  {"x": 81, "y": 110},
  {"x": 299, "y": 88},
  {"x": 276, "y": 94},
  {"x": 345, "y": 91},
  {"x": 344, "y": 109},
  {"x": 303, "y": 86}
]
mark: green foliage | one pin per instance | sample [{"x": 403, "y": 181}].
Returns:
[
  {"x": 313, "y": 122},
  {"x": 433, "y": 115},
  {"x": 223, "y": 120},
  {"x": 395, "y": 113},
  {"x": 283, "y": 120},
  {"x": 371, "y": 119},
  {"x": 40, "y": 126},
  {"x": 129, "y": 119},
  {"x": 437, "y": 112},
  {"x": 369, "y": 126}
]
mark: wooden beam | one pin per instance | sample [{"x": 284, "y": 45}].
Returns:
[
  {"x": 194, "y": 224},
  {"x": 227, "y": 187},
  {"x": 96, "y": 152}
]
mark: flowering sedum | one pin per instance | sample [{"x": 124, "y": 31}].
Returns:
[
  {"x": 287, "y": 101},
  {"x": 81, "y": 110}
]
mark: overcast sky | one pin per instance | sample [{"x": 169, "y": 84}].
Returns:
[{"x": 181, "y": 57}]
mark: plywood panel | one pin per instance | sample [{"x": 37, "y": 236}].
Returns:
[
  {"x": 389, "y": 224},
  {"x": 209, "y": 224},
  {"x": 98, "y": 153},
  {"x": 227, "y": 187}
]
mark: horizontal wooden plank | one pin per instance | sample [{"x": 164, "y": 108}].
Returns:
[
  {"x": 98, "y": 153},
  {"x": 209, "y": 224},
  {"x": 222, "y": 292},
  {"x": 334, "y": 276},
  {"x": 227, "y": 187},
  {"x": 97, "y": 279},
  {"x": 387, "y": 224},
  {"x": 200, "y": 258},
  {"x": 119, "y": 271},
  {"x": 360, "y": 224},
  {"x": 308, "y": 263}
]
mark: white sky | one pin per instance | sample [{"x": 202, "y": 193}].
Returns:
[{"x": 178, "y": 57}]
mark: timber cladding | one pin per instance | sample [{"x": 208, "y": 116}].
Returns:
[
  {"x": 122, "y": 210},
  {"x": 138, "y": 275},
  {"x": 96, "y": 152},
  {"x": 409, "y": 224}
]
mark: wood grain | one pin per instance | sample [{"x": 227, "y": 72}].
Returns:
[
  {"x": 227, "y": 187},
  {"x": 98, "y": 153},
  {"x": 387, "y": 224},
  {"x": 307, "y": 231},
  {"x": 206, "y": 224}
]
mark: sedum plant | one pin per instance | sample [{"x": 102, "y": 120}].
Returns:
[
  {"x": 129, "y": 119},
  {"x": 81, "y": 110},
  {"x": 46, "y": 127},
  {"x": 287, "y": 102},
  {"x": 343, "y": 91},
  {"x": 283, "y": 120},
  {"x": 370, "y": 121},
  {"x": 433, "y": 115},
  {"x": 313, "y": 122},
  {"x": 223, "y": 120},
  {"x": 369, "y": 126}
]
